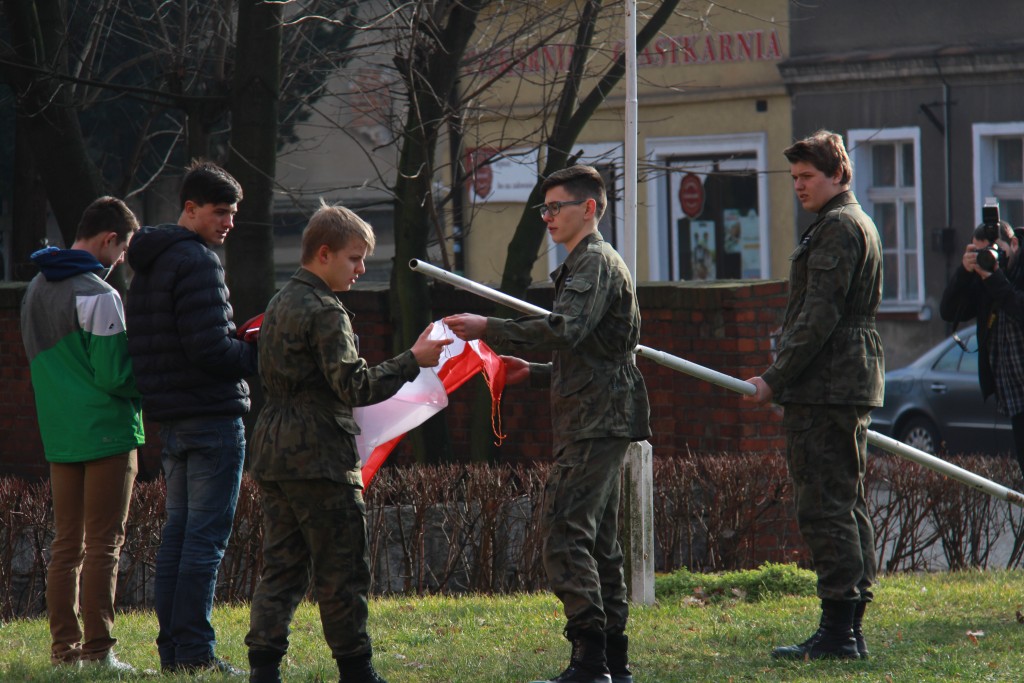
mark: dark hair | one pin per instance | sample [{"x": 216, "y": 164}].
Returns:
[
  {"x": 825, "y": 151},
  {"x": 990, "y": 232},
  {"x": 205, "y": 182},
  {"x": 107, "y": 214},
  {"x": 334, "y": 226},
  {"x": 580, "y": 182}
]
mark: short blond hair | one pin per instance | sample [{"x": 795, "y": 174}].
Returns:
[{"x": 334, "y": 226}]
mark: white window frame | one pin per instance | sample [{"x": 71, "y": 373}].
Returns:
[
  {"x": 984, "y": 146},
  {"x": 859, "y": 143},
  {"x": 659, "y": 150},
  {"x": 598, "y": 154}
]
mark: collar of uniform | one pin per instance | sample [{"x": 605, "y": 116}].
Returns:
[
  {"x": 574, "y": 255},
  {"x": 842, "y": 199},
  {"x": 310, "y": 278}
]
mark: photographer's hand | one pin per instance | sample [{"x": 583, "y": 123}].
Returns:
[{"x": 970, "y": 259}]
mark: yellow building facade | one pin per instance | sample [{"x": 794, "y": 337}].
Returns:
[{"x": 714, "y": 192}]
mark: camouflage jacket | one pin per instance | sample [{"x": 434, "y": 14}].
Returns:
[
  {"x": 596, "y": 388},
  {"x": 312, "y": 377},
  {"x": 830, "y": 352}
]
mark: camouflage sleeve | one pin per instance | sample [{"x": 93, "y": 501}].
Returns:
[
  {"x": 580, "y": 306},
  {"x": 832, "y": 258},
  {"x": 352, "y": 380}
]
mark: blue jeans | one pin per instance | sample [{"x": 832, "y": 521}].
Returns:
[{"x": 202, "y": 463}]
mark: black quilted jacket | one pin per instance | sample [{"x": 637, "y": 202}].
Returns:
[{"x": 187, "y": 360}]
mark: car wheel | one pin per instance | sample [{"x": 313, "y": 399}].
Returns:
[{"x": 921, "y": 433}]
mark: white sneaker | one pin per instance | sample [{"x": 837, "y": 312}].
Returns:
[{"x": 111, "y": 663}]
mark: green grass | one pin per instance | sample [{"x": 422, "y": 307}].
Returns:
[{"x": 922, "y": 627}]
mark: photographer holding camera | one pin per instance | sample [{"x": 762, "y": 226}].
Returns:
[{"x": 990, "y": 287}]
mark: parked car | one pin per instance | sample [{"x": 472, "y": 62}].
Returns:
[{"x": 935, "y": 403}]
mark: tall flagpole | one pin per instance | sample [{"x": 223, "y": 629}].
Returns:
[
  {"x": 629, "y": 175},
  {"x": 739, "y": 386}
]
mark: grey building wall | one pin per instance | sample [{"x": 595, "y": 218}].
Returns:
[{"x": 938, "y": 66}]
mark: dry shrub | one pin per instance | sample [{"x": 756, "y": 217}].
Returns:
[
  {"x": 475, "y": 528},
  {"x": 723, "y": 512},
  {"x": 454, "y": 528},
  {"x": 243, "y": 559},
  {"x": 26, "y": 529}
]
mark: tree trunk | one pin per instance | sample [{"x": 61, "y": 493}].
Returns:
[
  {"x": 410, "y": 297},
  {"x": 253, "y": 158},
  {"x": 47, "y": 117},
  {"x": 28, "y": 214},
  {"x": 429, "y": 70}
]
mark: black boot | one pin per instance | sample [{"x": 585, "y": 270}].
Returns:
[
  {"x": 833, "y": 639},
  {"x": 269, "y": 673},
  {"x": 858, "y": 632},
  {"x": 358, "y": 669},
  {"x": 588, "y": 662},
  {"x": 265, "y": 666},
  {"x": 618, "y": 657}
]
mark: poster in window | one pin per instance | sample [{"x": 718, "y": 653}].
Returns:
[
  {"x": 750, "y": 244},
  {"x": 702, "y": 251}
]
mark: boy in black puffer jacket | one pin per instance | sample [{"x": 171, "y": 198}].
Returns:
[{"x": 190, "y": 368}]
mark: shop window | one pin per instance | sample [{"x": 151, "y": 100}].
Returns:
[{"x": 708, "y": 217}]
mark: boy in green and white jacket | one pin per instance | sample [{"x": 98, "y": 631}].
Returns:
[{"x": 90, "y": 419}]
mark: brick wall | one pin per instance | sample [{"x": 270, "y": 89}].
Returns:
[
  {"x": 21, "y": 450},
  {"x": 725, "y": 326}
]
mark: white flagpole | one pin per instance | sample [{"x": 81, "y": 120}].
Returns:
[
  {"x": 739, "y": 386},
  {"x": 629, "y": 175}
]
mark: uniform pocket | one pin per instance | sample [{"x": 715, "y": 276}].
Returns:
[
  {"x": 576, "y": 294},
  {"x": 574, "y": 383},
  {"x": 822, "y": 261}
]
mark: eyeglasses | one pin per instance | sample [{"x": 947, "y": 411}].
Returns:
[{"x": 552, "y": 208}]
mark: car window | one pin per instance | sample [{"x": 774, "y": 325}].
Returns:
[
  {"x": 969, "y": 363},
  {"x": 950, "y": 360}
]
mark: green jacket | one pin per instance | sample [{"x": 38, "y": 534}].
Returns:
[
  {"x": 312, "y": 377},
  {"x": 596, "y": 388},
  {"x": 830, "y": 352},
  {"x": 72, "y": 324}
]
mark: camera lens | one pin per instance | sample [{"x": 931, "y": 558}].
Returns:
[{"x": 987, "y": 259}]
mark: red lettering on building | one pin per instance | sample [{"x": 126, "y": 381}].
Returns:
[
  {"x": 745, "y": 46},
  {"x": 775, "y": 47},
  {"x": 697, "y": 48},
  {"x": 688, "y": 54}
]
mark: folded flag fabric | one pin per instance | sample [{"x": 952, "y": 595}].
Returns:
[
  {"x": 384, "y": 424},
  {"x": 250, "y": 329}
]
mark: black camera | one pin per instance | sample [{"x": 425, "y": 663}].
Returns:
[
  {"x": 989, "y": 256},
  {"x": 989, "y": 231}
]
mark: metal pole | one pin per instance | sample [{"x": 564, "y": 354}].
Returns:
[
  {"x": 874, "y": 438},
  {"x": 475, "y": 287},
  {"x": 740, "y": 386},
  {"x": 629, "y": 175}
]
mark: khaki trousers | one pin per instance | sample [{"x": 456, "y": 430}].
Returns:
[{"x": 90, "y": 507}]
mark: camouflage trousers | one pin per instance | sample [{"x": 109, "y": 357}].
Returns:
[
  {"x": 580, "y": 525},
  {"x": 312, "y": 530},
  {"x": 827, "y": 458}
]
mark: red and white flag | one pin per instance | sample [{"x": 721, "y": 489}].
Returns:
[{"x": 384, "y": 424}]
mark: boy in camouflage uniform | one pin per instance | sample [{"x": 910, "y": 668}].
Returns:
[
  {"x": 828, "y": 375},
  {"x": 598, "y": 406},
  {"x": 304, "y": 450}
]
